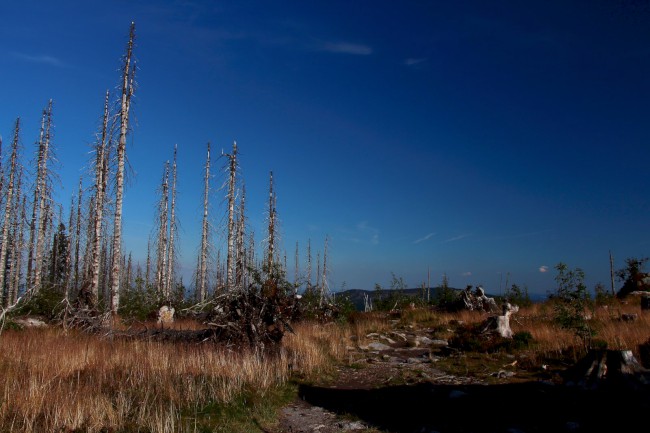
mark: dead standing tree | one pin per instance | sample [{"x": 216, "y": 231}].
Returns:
[
  {"x": 128, "y": 77},
  {"x": 232, "y": 177},
  {"x": 90, "y": 293},
  {"x": 4, "y": 247},
  {"x": 162, "y": 244},
  {"x": 201, "y": 274},
  {"x": 41, "y": 199},
  {"x": 171, "y": 249}
]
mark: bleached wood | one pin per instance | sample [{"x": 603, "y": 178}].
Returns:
[{"x": 127, "y": 93}]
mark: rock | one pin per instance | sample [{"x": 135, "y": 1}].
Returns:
[
  {"x": 378, "y": 346},
  {"x": 388, "y": 340},
  {"x": 503, "y": 374},
  {"x": 354, "y": 425}
]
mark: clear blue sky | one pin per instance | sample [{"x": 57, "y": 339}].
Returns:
[{"x": 477, "y": 139}]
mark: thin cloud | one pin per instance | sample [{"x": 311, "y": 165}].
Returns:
[
  {"x": 543, "y": 269},
  {"x": 457, "y": 238},
  {"x": 42, "y": 59},
  {"x": 347, "y": 48},
  {"x": 361, "y": 233},
  {"x": 466, "y": 274},
  {"x": 414, "y": 61},
  {"x": 424, "y": 238}
]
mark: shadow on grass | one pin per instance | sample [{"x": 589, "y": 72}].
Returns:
[{"x": 526, "y": 407}]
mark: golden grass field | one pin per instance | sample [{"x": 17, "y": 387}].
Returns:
[{"x": 67, "y": 381}]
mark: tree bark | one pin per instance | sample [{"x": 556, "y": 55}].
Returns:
[
  {"x": 161, "y": 254},
  {"x": 171, "y": 256},
  {"x": 230, "y": 258},
  {"x": 4, "y": 247},
  {"x": 127, "y": 92},
  {"x": 203, "y": 255}
]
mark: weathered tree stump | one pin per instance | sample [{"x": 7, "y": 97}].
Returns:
[
  {"x": 607, "y": 367},
  {"x": 501, "y": 324}
]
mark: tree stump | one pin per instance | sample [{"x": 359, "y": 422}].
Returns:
[
  {"x": 607, "y": 367},
  {"x": 501, "y": 324}
]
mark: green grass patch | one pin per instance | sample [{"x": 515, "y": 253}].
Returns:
[{"x": 252, "y": 412}]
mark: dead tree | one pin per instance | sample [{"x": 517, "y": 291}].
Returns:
[
  {"x": 161, "y": 250},
  {"x": 37, "y": 224},
  {"x": 308, "y": 284},
  {"x": 91, "y": 294},
  {"x": 230, "y": 258},
  {"x": 128, "y": 75},
  {"x": 240, "y": 250},
  {"x": 324, "y": 288},
  {"x": 171, "y": 250},
  {"x": 17, "y": 275},
  {"x": 271, "y": 239},
  {"x": 4, "y": 247},
  {"x": 296, "y": 273},
  {"x": 201, "y": 280},
  {"x": 77, "y": 238},
  {"x": 147, "y": 275}
]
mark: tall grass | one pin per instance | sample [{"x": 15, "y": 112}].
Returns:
[
  {"x": 52, "y": 380},
  {"x": 56, "y": 381}
]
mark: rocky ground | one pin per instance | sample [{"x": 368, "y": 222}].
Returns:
[{"x": 406, "y": 381}]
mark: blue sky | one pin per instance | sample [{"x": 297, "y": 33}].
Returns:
[{"x": 484, "y": 140}]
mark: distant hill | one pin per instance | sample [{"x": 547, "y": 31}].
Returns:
[{"x": 356, "y": 296}]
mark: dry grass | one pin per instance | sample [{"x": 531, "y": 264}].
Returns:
[
  {"x": 56, "y": 381},
  {"x": 51, "y": 380}
]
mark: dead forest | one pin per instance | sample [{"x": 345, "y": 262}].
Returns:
[{"x": 77, "y": 263}]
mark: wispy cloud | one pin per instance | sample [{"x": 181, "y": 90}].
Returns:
[
  {"x": 457, "y": 238},
  {"x": 362, "y": 234},
  {"x": 424, "y": 238},
  {"x": 543, "y": 269},
  {"x": 411, "y": 61},
  {"x": 42, "y": 59},
  {"x": 346, "y": 48},
  {"x": 466, "y": 274}
]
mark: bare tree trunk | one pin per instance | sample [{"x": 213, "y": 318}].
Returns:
[
  {"x": 172, "y": 231},
  {"x": 270, "y": 252},
  {"x": 161, "y": 250},
  {"x": 13, "y": 293},
  {"x": 129, "y": 273},
  {"x": 230, "y": 257},
  {"x": 296, "y": 275},
  {"x": 42, "y": 178},
  {"x": 77, "y": 237},
  {"x": 69, "y": 259},
  {"x": 203, "y": 255},
  {"x": 324, "y": 291},
  {"x": 101, "y": 181},
  {"x": 308, "y": 287},
  {"x": 34, "y": 216},
  {"x": 127, "y": 93},
  {"x": 240, "y": 252},
  {"x": 147, "y": 276},
  {"x": 4, "y": 247}
]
